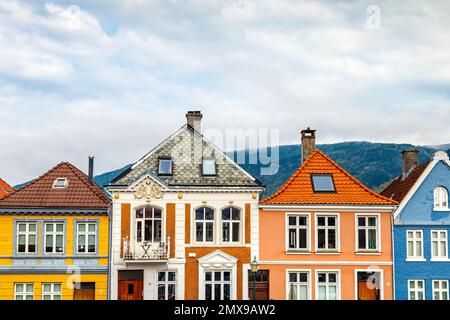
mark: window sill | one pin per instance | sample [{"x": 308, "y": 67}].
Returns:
[
  {"x": 440, "y": 260},
  {"x": 416, "y": 260},
  {"x": 291, "y": 251},
  {"x": 368, "y": 252},
  {"x": 327, "y": 252},
  {"x": 441, "y": 209}
]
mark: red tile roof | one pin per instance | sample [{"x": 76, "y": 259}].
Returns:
[
  {"x": 79, "y": 194},
  {"x": 298, "y": 188},
  {"x": 398, "y": 188},
  {"x": 5, "y": 189}
]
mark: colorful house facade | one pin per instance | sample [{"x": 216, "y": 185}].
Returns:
[
  {"x": 184, "y": 223},
  {"x": 54, "y": 238},
  {"x": 421, "y": 228},
  {"x": 324, "y": 235}
]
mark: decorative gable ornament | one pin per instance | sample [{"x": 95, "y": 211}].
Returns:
[{"x": 148, "y": 190}]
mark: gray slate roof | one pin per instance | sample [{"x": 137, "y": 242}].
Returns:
[{"x": 187, "y": 148}]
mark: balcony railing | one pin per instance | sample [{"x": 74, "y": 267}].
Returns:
[{"x": 146, "y": 251}]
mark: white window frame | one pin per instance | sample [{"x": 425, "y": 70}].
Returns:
[
  {"x": 338, "y": 233},
  {"x": 24, "y": 294},
  {"x": 377, "y": 227},
  {"x": 440, "y": 291},
  {"x": 438, "y": 240},
  {"x": 338, "y": 283},
  {"x": 56, "y": 185},
  {"x": 440, "y": 195},
  {"x": 214, "y": 227},
  {"x": 86, "y": 235},
  {"x": 52, "y": 293},
  {"x": 159, "y": 167},
  {"x": 166, "y": 283},
  {"x": 416, "y": 290},
  {"x": 231, "y": 222},
  {"x": 27, "y": 233},
  {"x": 214, "y": 282},
  {"x": 308, "y": 284},
  {"x": 143, "y": 219},
  {"x": 306, "y": 250},
  {"x": 54, "y": 234},
  {"x": 414, "y": 241}
]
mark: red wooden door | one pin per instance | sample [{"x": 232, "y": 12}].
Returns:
[{"x": 130, "y": 289}]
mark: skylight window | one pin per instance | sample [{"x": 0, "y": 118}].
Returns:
[
  {"x": 209, "y": 167},
  {"x": 165, "y": 166},
  {"x": 60, "y": 183},
  {"x": 323, "y": 183}
]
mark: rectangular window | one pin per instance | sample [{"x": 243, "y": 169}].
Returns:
[
  {"x": 414, "y": 244},
  {"x": 167, "y": 282},
  {"x": 86, "y": 237},
  {"x": 26, "y": 234},
  {"x": 439, "y": 244},
  {"x": 327, "y": 285},
  {"x": 440, "y": 289},
  {"x": 323, "y": 183},
  {"x": 298, "y": 285},
  {"x": 209, "y": 167},
  {"x": 23, "y": 291},
  {"x": 298, "y": 232},
  {"x": 416, "y": 290},
  {"x": 327, "y": 233},
  {"x": 217, "y": 285},
  {"x": 367, "y": 232},
  {"x": 51, "y": 291},
  {"x": 231, "y": 222},
  {"x": 54, "y": 237},
  {"x": 165, "y": 166}
]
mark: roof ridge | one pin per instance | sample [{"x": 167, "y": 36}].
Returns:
[
  {"x": 32, "y": 182},
  {"x": 91, "y": 186},
  {"x": 367, "y": 189}
]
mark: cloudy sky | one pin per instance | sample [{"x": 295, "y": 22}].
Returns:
[{"x": 113, "y": 79}]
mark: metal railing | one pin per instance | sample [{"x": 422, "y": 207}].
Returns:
[{"x": 146, "y": 251}]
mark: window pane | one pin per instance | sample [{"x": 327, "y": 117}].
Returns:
[
  {"x": 322, "y": 277},
  {"x": 171, "y": 292},
  {"x": 59, "y": 244},
  {"x": 91, "y": 243},
  {"x": 208, "y": 291},
  {"x": 48, "y": 244},
  {"x": 331, "y": 239},
  {"x": 236, "y": 214},
  {"x": 209, "y": 167},
  {"x": 92, "y": 227},
  {"x": 292, "y": 238},
  {"x": 208, "y": 276},
  {"x": 303, "y": 293},
  {"x": 303, "y": 239},
  {"x": 323, "y": 183},
  {"x": 19, "y": 287},
  {"x": 57, "y": 287},
  {"x": 332, "y": 277},
  {"x": 303, "y": 277},
  {"x": 199, "y": 214},
  {"x": 148, "y": 230},
  {"x": 209, "y": 214},
  {"x": 209, "y": 231},
  {"x": 321, "y": 239},
  {"x": 418, "y": 248},
  {"x": 29, "y": 288},
  {"x": 22, "y": 227},
  {"x": 321, "y": 221},
  {"x": 59, "y": 227},
  {"x": 292, "y": 277},
  {"x": 332, "y": 292},
  {"x": 49, "y": 227},
  {"x": 361, "y": 239},
  {"x": 161, "y": 292},
  {"x": 361, "y": 222},
  {"x": 292, "y": 221},
  {"x": 217, "y": 276},
  {"x": 226, "y": 291},
  {"x": 172, "y": 276},
  {"x": 157, "y": 232},
  {"x": 139, "y": 231},
  {"x": 32, "y": 227},
  {"x": 140, "y": 213},
  {"x": 226, "y": 276},
  {"x": 372, "y": 239},
  {"x": 165, "y": 166},
  {"x": 199, "y": 231},
  {"x": 47, "y": 287},
  {"x": 331, "y": 221},
  {"x": 217, "y": 292},
  {"x": 226, "y": 231},
  {"x": 322, "y": 293},
  {"x": 302, "y": 221},
  {"x": 156, "y": 213},
  {"x": 372, "y": 221},
  {"x": 226, "y": 215},
  {"x": 236, "y": 231}
]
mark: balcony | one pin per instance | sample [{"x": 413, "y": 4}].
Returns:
[{"x": 145, "y": 251}]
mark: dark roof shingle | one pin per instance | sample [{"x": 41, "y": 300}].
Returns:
[
  {"x": 79, "y": 194},
  {"x": 399, "y": 188}
]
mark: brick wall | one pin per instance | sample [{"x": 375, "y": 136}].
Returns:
[
  {"x": 170, "y": 227},
  {"x": 191, "y": 271},
  {"x": 125, "y": 225}
]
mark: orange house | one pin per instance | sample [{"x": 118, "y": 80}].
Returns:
[{"x": 325, "y": 236}]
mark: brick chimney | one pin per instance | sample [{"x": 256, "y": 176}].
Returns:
[
  {"x": 308, "y": 143},
  {"x": 410, "y": 161},
  {"x": 194, "y": 120}
]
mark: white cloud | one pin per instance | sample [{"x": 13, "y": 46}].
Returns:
[{"x": 114, "y": 78}]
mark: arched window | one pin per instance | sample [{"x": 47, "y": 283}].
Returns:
[
  {"x": 440, "y": 198},
  {"x": 204, "y": 224},
  {"x": 231, "y": 224},
  {"x": 148, "y": 224}
]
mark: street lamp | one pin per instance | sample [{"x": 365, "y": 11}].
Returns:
[{"x": 254, "y": 268}]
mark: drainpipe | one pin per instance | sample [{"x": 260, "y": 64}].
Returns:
[
  {"x": 109, "y": 251},
  {"x": 393, "y": 252}
]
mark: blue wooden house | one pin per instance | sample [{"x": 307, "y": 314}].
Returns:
[{"x": 421, "y": 228}]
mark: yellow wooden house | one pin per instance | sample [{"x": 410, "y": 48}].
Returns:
[{"x": 54, "y": 235}]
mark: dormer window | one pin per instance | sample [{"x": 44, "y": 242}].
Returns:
[
  {"x": 165, "y": 166},
  {"x": 209, "y": 167},
  {"x": 323, "y": 183},
  {"x": 60, "y": 183},
  {"x": 440, "y": 198}
]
